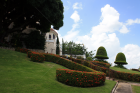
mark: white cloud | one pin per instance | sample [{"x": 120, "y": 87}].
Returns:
[
  {"x": 104, "y": 35},
  {"x": 75, "y": 17},
  {"x": 77, "y": 5},
  {"x": 131, "y": 21},
  {"x": 124, "y": 29},
  {"x": 109, "y": 22},
  {"x": 132, "y": 54}
]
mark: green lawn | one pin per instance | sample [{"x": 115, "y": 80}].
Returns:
[
  {"x": 20, "y": 75},
  {"x": 135, "y": 89},
  {"x": 124, "y": 70}
]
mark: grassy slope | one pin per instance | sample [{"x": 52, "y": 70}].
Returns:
[
  {"x": 135, "y": 89},
  {"x": 124, "y": 70},
  {"x": 20, "y": 75}
]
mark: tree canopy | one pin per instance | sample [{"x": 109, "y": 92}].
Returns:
[{"x": 39, "y": 14}]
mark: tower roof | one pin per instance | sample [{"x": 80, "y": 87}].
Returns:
[{"x": 51, "y": 29}]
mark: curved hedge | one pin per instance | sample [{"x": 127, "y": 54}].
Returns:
[
  {"x": 69, "y": 77},
  {"x": 80, "y": 78},
  {"x": 81, "y": 75}
]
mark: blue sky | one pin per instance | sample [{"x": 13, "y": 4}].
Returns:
[{"x": 114, "y": 24}]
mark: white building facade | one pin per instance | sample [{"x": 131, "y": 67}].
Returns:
[{"x": 50, "y": 45}]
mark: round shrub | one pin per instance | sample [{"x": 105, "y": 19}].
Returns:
[
  {"x": 120, "y": 59},
  {"x": 101, "y": 53}
]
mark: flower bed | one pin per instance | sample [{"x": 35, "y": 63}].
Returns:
[
  {"x": 125, "y": 76},
  {"x": 23, "y": 50},
  {"x": 77, "y": 69},
  {"x": 102, "y": 63},
  {"x": 37, "y": 57},
  {"x": 79, "y": 78}
]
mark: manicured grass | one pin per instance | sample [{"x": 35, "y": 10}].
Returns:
[
  {"x": 124, "y": 70},
  {"x": 20, "y": 75},
  {"x": 135, "y": 89}
]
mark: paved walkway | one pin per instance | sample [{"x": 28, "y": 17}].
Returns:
[{"x": 122, "y": 86}]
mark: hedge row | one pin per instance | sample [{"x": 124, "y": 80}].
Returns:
[
  {"x": 35, "y": 56},
  {"x": 114, "y": 74},
  {"x": 125, "y": 76},
  {"x": 102, "y": 63},
  {"x": 94, "y": 78},
  {"x": 79, "y": 78},
  {"x": 89, "y": 64},
  {"x": 23, "y": 50}
]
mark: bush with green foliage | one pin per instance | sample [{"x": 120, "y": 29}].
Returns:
[
  {"x": 89, "y": 79},
  {"x": 35, "y": 40},
  {"x": 79, "y": 57},
  {"x": 101, "y": 53},
  {"x": 120, "y": 60},
  {"x": 37, "y": 57},
  {"x": 23, "y": 50},
  {"x": 89, "y": 59}
]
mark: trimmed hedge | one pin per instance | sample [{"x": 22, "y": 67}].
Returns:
[
  {"x": 77, "y": 69},
  {"x": 80, "y": 78},
  {"x": 102, "y": 63},
  {"x": 125, "y": 76},
  {"x": 23, "y": 50},
  {"x": 37, "y": 57}
]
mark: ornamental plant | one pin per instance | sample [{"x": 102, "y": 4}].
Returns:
[
  {"x": 17, "y": 49},
  {"x": 37, "y": 57},
  {"x": 102, "y": 63},
  {"x": 29, "y": 54},
  {"x": 101, "y": 53},
  {"x": 80, "y": 78},
  {"x": 120, "y": 60},
  {"x": 24, "y": 50}
]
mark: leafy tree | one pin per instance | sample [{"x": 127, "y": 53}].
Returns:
[
  {"x": 23, "y": 13},
  {"x": 89, "y": 59},
  {"x": 35, "y": 40},
  {"x": 63, "y": 47},
  {"x": 57, "y": 46},
  {"x": 73, "y": 48},
  {"x": 90, "y": 54}
]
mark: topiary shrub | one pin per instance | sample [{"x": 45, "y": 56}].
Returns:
[
  {"x": 120, "y": 60},
  {"x": 101, "y": 54},
  {"x": 35, "y": 40}
]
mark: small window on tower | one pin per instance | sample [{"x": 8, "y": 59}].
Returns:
[
  {"x": 49, "y": 36},
  {"x": 53, "y": 36}
]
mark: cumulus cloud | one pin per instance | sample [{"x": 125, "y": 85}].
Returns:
[
  {"x": 131, "y": 21},
  {"x": 104, "y": 35},
  {"x": 75, "y": 16},
  {"x": 77, "y": 5},
  {"x": 124, "y": 29},
  {"x": 132, "y": 54},
  {"x": 109, "y": 22}
]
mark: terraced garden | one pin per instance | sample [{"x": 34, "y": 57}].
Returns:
[{"x": 21, "y": 75}]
